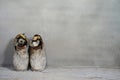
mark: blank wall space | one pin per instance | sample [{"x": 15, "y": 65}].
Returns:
[{"x": 76, "y": 33}]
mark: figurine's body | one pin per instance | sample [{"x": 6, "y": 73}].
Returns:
[
  {"x": 21, "y": 56},
  {"x": 37, "y": 54}
]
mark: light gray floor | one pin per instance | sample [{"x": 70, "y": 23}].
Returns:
[{"x": 64, "y": 73}]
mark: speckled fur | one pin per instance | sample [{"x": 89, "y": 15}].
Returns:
[
  {"x": 37, "y": 59},
  {"x": 21, "y": 59}
]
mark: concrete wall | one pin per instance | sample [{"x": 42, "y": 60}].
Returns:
[{"x": 76, "y": 32}]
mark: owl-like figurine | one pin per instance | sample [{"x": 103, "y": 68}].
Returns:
[
  {"x": 21, "y": 56},
  {"x": 37, "y": 53}
]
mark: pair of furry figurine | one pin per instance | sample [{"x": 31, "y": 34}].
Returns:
[{"x": 33, "y": 56}]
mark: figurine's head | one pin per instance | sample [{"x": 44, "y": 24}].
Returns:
[
  {"x": 36, "y": 41},
  {"x": 20, "y": 40}
]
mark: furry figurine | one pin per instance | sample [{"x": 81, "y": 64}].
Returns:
[
  {"x": 37, "y": 53},
  {"x": 21, "y": 56}
]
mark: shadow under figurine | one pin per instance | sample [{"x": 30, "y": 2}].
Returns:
[
  {"x": 37, "y": 53},
  {"x": 21, "y": 56}
]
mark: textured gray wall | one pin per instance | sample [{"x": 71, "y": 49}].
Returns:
[{"x": 76, "y": 32}]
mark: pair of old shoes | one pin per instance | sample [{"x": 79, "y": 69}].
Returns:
[{"x": 33, "y": 56}]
